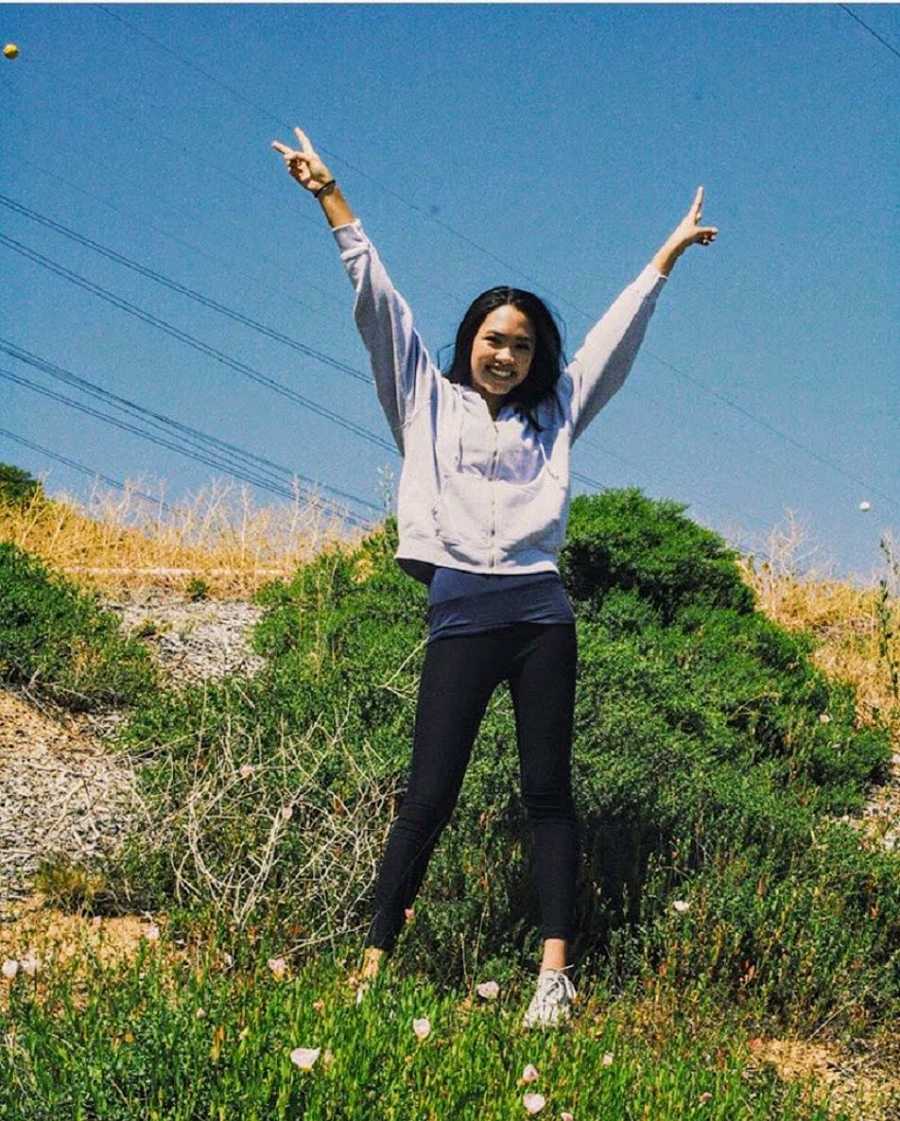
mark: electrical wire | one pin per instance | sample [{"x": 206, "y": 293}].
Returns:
[
  {"x": 427, "y": 216},
  {"x": 883, "y": 42},
  {"x": 161, "y": 421},
  {"x": 76, "y": 466},
  {"x": 207, "y": 458},
  {"x": 197, "y": 344},
  {"x": 182, "y": 289}
]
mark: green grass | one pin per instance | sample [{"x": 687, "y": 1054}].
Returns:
[
  {"x": 710, "y": 759},
  {"x": 179, "y": 1041}
]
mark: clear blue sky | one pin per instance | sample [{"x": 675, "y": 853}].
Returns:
[{"x": 565, "y": 140}]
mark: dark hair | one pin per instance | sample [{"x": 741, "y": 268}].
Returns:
[{"x": 546, "y": 362}]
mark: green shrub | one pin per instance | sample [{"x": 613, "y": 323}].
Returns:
[
  {"x": 57, "y": 639},
  {"x": 18, "y": 487},
  {"x": 623, "y": 540},
  {"x": 701, "y": 761}
]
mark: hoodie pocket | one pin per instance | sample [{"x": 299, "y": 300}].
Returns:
[
  {"x": 531, "y": 513},
  {"x": 462, "y": 512}
]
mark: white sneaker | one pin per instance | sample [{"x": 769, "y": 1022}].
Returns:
[{"x": 551, "y": 1003}]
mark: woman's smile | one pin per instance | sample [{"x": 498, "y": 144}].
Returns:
[{"x": 502, "y": 352}]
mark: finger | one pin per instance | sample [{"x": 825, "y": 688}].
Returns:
[
  {"x": 698, "y": 203},
  {"x": 288, "y": 153},
  {"x": 304, "y": 140}
]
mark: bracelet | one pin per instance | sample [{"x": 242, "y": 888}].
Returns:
[{"x": 324, "y": 187}]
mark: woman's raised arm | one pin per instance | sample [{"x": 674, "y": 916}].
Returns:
[
  {"x": 404, "y": 374},
  {"x": 307, "y": 168}
]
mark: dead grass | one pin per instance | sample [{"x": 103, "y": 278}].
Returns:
[
  {"x": 857, "y": 628},
  {"x": 119, "y": 540}
]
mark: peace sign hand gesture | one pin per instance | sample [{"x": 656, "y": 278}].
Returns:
[{"x": 304, "y": 163}]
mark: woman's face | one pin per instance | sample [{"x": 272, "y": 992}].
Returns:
[{"x": 502, "y": 351}]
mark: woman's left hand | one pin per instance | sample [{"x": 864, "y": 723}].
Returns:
[
  {"x": 688, "y": 232},
  {"x": 689, "y": 229}
]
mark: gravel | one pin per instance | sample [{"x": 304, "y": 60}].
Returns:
[{"x": 62, "y": 790}]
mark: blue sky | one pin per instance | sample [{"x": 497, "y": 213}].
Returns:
[{"x": 549, "y": 146}]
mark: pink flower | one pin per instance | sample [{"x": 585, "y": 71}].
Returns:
[
  {"x": 488, "y": 990},
  {"x": 704, "y": 1097},
  {"x": 151, "y": 932},
  {"x": 10, "y": 968},
  {"x": 246, "y": 770},
  {"x": 530, "y": 1074},
  {"x": 304, "y": 1057},
  {"x": 278, "y": 966},
  {"x": 607, "y": 1059},
  {"x": 422, "y": 1027},
  {"x": 534, "y": 1103},
  {"x": 681, "y": 905},
  {"x": 287, "y": 812},
  {"x": 566, "y": 1116}
]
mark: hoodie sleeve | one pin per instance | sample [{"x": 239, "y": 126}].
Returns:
[
  {"x": 607, "y": 354},
  {"x": 401, "y": 365}
]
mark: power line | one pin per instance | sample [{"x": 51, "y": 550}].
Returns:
[
  {"x": 182, "y": 336},
  {"x": 85, "y": 470},
  {"x": 229, "y": 469},
  {"x": 183, "y": 290},
  {"x": 493, "y": 256},
  {"x": 229, "y": 312},
  {"x": 883, "y": 42},
  {"x": 161, "y": 421},
  {"x": 197, "y": 344}
]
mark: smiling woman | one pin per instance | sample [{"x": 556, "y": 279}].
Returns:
[{"x": 482, "y": 509}]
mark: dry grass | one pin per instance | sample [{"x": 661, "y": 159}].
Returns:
[
  {"x": 119, "y": 540},
  {"x": 218, "y": 537},
  {"x": 857, "y": 628}
]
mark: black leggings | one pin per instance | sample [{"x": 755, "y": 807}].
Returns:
[{"x": 459, "y": 675}]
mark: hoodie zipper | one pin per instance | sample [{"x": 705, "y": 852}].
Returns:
[{"x": 493, "y": 500}]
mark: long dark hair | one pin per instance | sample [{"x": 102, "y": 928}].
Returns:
[{"x": 546, "y": 362}]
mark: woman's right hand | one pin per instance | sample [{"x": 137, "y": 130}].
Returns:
[{"x": 304, "y": 163}]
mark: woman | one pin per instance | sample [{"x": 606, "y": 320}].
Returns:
[{"x": 482, "y": 508}]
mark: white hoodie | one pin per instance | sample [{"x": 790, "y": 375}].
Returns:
[{"x": 478, "y": 494}]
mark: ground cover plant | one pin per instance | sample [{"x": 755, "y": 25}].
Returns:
[
  {"x": 711, "y": 760},
  {"x": 56, "y": 639},
  {"x": 721, "y": 896},
  {"x": 182, "y": 1039}
]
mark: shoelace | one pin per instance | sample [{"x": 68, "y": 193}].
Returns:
[{"x": 552, "y": 990}]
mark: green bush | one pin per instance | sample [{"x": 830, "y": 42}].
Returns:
[
  {"x": 701, "y": 763},
  {"x": 17, "y": 487},
  {"x": 56, "y": 638},
  {"x": 623, "y": 540}
]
